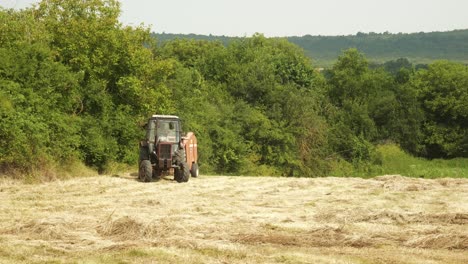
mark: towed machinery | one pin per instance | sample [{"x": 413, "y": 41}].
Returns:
[{"x": 167, "y": 151}]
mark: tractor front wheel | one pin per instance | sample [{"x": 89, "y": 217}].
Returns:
[
  {"x": 145, "y": 171},
  {"x": 182, "y": 174}
]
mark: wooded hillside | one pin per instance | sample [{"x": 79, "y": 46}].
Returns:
[{"x": 419, "y": 48}]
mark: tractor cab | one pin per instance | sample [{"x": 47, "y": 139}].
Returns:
[{"x": 163, "y": 129}]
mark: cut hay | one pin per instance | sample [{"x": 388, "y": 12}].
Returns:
[{"x": 236, "y": 220}]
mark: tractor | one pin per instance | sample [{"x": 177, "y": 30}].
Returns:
[{"x": 167, "y": 151}]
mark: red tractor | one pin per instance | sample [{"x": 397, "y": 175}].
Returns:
[{"x": 166, "y": 151}]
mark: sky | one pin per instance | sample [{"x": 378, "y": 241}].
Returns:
[{"x": 278, "y": 18}]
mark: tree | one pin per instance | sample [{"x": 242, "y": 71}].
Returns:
[
  {"x": 443, "y": 94},
  {"x": 37, "y": 102}
]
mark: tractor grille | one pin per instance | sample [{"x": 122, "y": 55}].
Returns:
[{"x": 165, "y": 151}]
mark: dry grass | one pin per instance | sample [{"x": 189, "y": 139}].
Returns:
[{"x": 388, "y": 219}]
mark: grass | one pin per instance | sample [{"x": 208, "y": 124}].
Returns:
[
  {"x": 396, "y": 161},
  {"x": 391, "y": 159},
  {"x": 49, "y": 171}
]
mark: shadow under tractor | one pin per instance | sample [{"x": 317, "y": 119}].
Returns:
[{"x": 167, "y": 151}]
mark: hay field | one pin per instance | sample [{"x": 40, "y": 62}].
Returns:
[{"x": 388, "y": 219}]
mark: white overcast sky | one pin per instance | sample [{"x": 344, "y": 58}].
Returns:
[{"x": 291, "y": 17}]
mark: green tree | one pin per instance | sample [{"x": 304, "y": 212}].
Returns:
[
  {"x": 121, "y": 82},
  {"x": 248, "y": 122},
  {"x": 443, "y": 94},
  {"x": 37, "y": 127}
]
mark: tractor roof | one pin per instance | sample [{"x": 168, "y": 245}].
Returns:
[{"x": 164, "y": 117}]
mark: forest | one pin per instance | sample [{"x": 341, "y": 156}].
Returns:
[
  {"x": 76, "y": 86},
  {"x": 418, "y": 48}
]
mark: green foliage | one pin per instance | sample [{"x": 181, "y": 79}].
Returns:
[
  {"x": 420, "y": 48},
  {"x": 393, "y": 160},
  {"x": 76, "y": 85},
  {"x": 396, "y": 66},
  {"x": 243, "y": 101},
  {"x": 353, "y": 88},
  {"x": 443, "y": 95},
  {"x": 38, "y": 98},
  {"x": 396, "y": 161}
]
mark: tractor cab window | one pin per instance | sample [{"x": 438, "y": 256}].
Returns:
[{"x": 167, "y": 131}]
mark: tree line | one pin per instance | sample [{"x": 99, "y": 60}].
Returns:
[
  {"x": 419, "y": 48},
  {"x": 77, "y": 86}
]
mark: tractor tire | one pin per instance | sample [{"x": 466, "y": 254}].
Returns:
[
  {"x": 144, "y": 153},
  {"x": 194, "y": 171},
  {"x": 181, "y": 174},
  {"x": 145, "y": 171}
]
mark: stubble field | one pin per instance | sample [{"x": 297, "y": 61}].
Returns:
[{"x": 388, "y": 219}]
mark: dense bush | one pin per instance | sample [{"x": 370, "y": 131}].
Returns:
[{"x": 77, "y": 85}]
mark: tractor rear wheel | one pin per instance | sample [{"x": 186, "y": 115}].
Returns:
[
  {"x": 145, "y": 171},
  {"x": 194, "y": 170}
]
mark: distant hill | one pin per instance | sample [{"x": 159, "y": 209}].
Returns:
[{"x": 378, "y": 47}]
